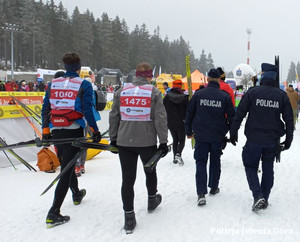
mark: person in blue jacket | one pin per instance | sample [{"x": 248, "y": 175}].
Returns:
[
  {"x": 208, "y": 119},
  {"x": 264, "y": 104},
  {"x": 67, "y": 104}
]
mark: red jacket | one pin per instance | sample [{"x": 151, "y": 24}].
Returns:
[
  {"x": 225, "y": 87},
  {"x": 11, "y": 87}
]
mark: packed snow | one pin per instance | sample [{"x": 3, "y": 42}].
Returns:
[{"x": 227, "y": 216}]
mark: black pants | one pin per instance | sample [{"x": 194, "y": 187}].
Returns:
[
  {"x": 65, "y": 153},
  {"x": 128, "y": 159},
  {"x": 178, "y": 136}
]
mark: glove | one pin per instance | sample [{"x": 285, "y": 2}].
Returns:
[
  {"x": 165, "y": 149},
  {"x": 225, "y": 140},
  {"x": 47, "y": 136},
  {"x": 233, "y": 139},
  {"x": 114, "y": 145},
  {"x": 97, "y": 137},
  {"x": 285, "y": 145}
]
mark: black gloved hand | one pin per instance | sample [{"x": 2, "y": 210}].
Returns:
[
  {"x": 164, "y": 147},
  {"x": 97, "y": 137},
  {"x": 47, "y": 136},
  {"x": 225, "y": 140},
  {"x": 233, "y": 139},
  {"x": 114, "y": 145},
  {"x": 285, "y": 145}
]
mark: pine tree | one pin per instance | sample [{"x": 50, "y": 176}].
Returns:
[{"x": 292, "y": 72}]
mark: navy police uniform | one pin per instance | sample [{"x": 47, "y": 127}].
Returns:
[
  {"x": 265, "y": 104},
  {"x": 208, "y": 118}
]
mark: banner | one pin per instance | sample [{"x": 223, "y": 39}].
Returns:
[{"x": 8, "y": 109}]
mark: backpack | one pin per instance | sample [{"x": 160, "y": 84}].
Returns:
[
  {"x": 100, "y": 100},
  {"x": 47, "y": 160}
]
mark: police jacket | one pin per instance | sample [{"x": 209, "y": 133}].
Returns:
[
  {"x": 176, "y": 103},
  {"x": 265, "y": 105},
  {"x": 209, "y": 114}
]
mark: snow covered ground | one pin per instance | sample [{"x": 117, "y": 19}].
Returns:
[{"x": 226, "y": 217}]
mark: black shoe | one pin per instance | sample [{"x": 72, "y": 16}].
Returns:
[
  {"x": 130, "y": 222},
  {"x": 201, "y": 200},
  {"x": 153, "y": 202},
  {"x": 214, "y": 191},
  {"x": 259, "y": 204},
  {"x": 265, "y": 205},
  {"x": 77, "y": 198},
  {"x": 54, "y": 218}
]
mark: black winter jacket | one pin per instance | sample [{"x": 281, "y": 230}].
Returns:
[
  {"x": 210, "y": 114},
  {"x": 176, "y": 105},
  {"x": 265, "y": 105}
]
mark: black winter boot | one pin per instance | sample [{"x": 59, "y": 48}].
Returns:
[
  {"x": 153, "y": 202},
  {"x": 54, "y": 218},
  {"x": 77, "y": 198},
  {"x": 130, "y": 222}
]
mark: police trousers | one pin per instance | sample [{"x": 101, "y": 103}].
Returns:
[
  {"x": 202, "y": 149},
  {"x": 252, "y": 154}
]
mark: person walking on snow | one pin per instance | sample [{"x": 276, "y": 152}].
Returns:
[
  {"x": 294, "y": 98},
  {"x": 208, "y": 119},
  {"x": 176, "y": 103},
  {"x": 137, "y": 117},
  {"x": 64, "y": 116},
  {"x": 264, "y": 104}
]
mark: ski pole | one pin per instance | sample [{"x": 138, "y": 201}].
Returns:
[{"x": 9, "y": 160}]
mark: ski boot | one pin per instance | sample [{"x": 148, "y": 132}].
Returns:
[
  {"x": 54, "y": 218},
  {"x": 77, "y": 171},
  {"x": 130, "y": 222},
  {"x": 259, "y": 204},
  {"x": 153, "y": 202},
  {"x": 214, "y": 191},
  {"x": 82, "y": 169},
  {"x": 77, "y": 198},
  {"x": 201, "y": 200}
]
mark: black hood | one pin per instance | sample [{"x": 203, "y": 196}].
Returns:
[{"x": 176, "y": 96}]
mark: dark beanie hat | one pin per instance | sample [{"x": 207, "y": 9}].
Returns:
[
  {"x": 268, "y": 67},
  {"x": 270, "y": 71},
  {"x": 214, "y": 73},
  {"x": 165, "y": 84},
  {"x": 222, "y": 73}
]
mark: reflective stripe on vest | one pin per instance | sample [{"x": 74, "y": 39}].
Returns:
[{"x": 135, "y": 102}]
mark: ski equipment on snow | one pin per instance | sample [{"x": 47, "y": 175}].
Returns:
[{"x": 25, "y": 163}]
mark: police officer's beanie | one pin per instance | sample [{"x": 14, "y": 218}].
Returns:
[
  {"x": 268, "y": 67},
  {"x": 214, "y": 73}
]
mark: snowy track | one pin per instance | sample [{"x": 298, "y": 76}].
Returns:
[{"x": 226, "y": 217}]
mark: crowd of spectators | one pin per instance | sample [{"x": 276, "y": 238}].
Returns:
[{"x": 22, "y": 86}]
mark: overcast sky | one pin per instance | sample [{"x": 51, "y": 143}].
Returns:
[{"x": 217, "y": 26}]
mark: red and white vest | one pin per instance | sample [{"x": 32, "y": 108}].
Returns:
[
  {"x": 63, "y": 94},
  {"x": 135, "y": 102}
]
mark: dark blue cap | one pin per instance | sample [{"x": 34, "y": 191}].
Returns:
[
  {"x": 268, "y": 67},
  {"x": 214, "y": 73}
]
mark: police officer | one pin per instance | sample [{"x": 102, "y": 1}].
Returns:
[
  {"x": 208, "y": 119},
  {"x": 137, "y": 118},
  {"x": 264, "y": 127}
]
